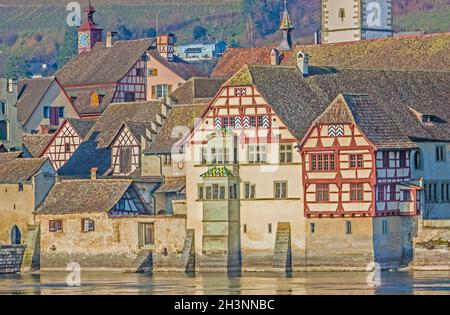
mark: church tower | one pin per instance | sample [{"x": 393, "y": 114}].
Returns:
[
  {"x": 88, "y": 32},
  {"x": 287, "y": 27},
  {"x": 351, "y": 20}
]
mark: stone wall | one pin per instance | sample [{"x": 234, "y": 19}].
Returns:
[
  {"x": 114, "y": 244},
  {"x": 329, "y": 247},
  {"x": 432, "y": 245},
  {"x": 11, "y": 257}
]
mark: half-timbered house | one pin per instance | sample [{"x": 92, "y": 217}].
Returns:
[
  {"x": 121, "y": 71},
  {"x": 357, "y": 184},
  {"x": 252, "y": 129},
  {"x": 66, "y": 141},
  {"x": 106, "y": 224}
]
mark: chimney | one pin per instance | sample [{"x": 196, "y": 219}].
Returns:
[
  {"x": 12, "y": 86},
  {"x": 274, "y": 57},
  {"x": 110, "y": 39},
  {"x": 303, "y": 63},
  {"x": 94, "y": 173},
  {"x": 165, "y": 45}
]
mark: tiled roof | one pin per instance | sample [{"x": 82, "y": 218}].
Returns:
[
  {"x": 7, "y": 156},
  {"x": 94, "y": 151},
  {"x": 197, "y": 90},
  {"x": 172, "y": 184},
  {"x": 117, "y": 113},
  {"x": 35, "y": 144},
  {"x": 102, "y": 64},
  {"x": 182, "y": 68},
  {"x": 369, "y": 115},
  {"x": 88, "y": 196},
  {"x": 423, "y": 52},
  {"x": 82, "y": 97},
  {"x": 181, "y": 116},
  {"x": 31, "y": 92},
  {"x": 20, "y": 169},
  {"x": 299, "y": 100},
  {"x": 82, "y": 127}
]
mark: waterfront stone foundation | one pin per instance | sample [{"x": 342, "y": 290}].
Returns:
[
  {"x": 11, "y": 257},
  {"x": 432, "y": 245}
]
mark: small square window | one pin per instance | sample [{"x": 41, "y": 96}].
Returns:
[
  {"x": 55, "y": 226},
  {"x": 2, "y": 108},
  {"x": 87, "y": 225},
  {"x": 312, "y": 227},
  {"x": 67, "y": 147}
]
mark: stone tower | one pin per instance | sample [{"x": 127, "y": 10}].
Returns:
[
  {"x": 351, "y": 20},
  {"x": 287, "y": 27}
]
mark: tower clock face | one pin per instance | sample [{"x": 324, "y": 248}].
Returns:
[
  {"x": 374, "y": 14},
  {"x": 84, "y": 40}
]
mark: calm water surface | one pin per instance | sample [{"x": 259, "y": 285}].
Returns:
[{"x": 222, "y": 284}]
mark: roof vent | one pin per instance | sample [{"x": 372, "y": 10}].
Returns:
[
  {"x": 303, "y": 63},
  {"x": 275, "y": 57}
]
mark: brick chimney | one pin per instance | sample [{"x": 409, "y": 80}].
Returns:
[{"x": 165, "y": 44}]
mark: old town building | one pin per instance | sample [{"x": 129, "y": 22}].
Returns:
[
  {"x": 10, "y": 131},
  {"x": 66, "y": 141},
  {"x": 24, "y": 184},
  {"x": 121, "y": 71},
  {"x": 43, "y": 105},
  {"x": 352, "y": 20},
  {"x": 106, "y": 224},
  {"x": 252, "y": 130}
]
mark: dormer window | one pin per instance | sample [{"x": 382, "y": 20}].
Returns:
[
  {"x": 94, "y": 99},
  {"x": 428, "y": 119}
]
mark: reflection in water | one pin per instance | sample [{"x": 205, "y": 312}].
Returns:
[{"x": 221, "y": 284}]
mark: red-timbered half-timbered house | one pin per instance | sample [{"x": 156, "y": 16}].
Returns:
[
  {"x": 358, "y": 191},
  {"x": 356, "y": 163},
  {"x": 66, "y": 141}
]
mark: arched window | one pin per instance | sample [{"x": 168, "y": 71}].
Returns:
[
  {"x": 4, "y": 130},
  {"x": 16, "y": 236},
  {"x": 418, "y": 160}
]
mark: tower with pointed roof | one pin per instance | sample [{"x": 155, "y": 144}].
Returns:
[
  {"x": 287, "y": 27},
  {"x": 89, "y": 33}
]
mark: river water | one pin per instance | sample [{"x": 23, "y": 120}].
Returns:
[{"x": 417, "y": 282}]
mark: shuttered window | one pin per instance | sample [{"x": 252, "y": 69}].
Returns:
[{"x": 125, "y": 160}]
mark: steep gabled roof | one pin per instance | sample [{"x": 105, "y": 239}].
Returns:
[
  {"x": 82, "y": 127},
  {"x": 20, "y": 169},
  {"x": 181, "y": 67},
  {"x": 82, "y": 97},
  {"x": 370, "y": 117},
  {"x": 111, "y": 120},
  {"x": 35, "y": 144},
  {"x": 88, "y": 196},
  {"x": 8, "y": 156},
  {"x": 94, "y": 151},
  {"x": 424, "y": 52},
  {"x": 31, "y": 92},
  {"x": 181, "y": 116},
  {"x": 299, "y": 100},
  {"x": 103, "y": 64},
  {"x": 137, "y": 129},
  {"x": 197, "y": 90}
]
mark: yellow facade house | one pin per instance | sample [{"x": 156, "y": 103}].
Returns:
[{"x": 24, "y": 184}]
